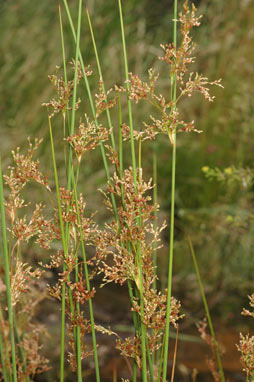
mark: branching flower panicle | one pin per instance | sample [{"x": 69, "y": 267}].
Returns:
[
  {"x": 35, "y": 363},
  {"x": 120, "y": 242},
  {"x": 246, "y": 345},
  {"x": 21, "y": 280},
  {"x": 25, "y": 169},
  {"x": 88, "y": 137},
  {"x": 64, "y": 91},
  {"x": 211, "y": 362},
  {"x": 102, "y": 102},
  {"x": 179, "y": 59},
  {"x": 44, "y": 230}
]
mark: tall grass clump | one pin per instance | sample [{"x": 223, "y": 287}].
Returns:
[{"x": 121, "y": 250}]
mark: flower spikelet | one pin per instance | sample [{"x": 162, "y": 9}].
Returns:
[
  {"x": 21, "y": 280},
  {"x": 102, "y": 102},
  {"x": 64, "y": 91},
  {"x": 35, "y": 363},
  {"x": 88, "y": 137},
  {"x": 246, "y": 348}
]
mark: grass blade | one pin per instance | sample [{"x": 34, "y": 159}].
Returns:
[
  {"x": 65, "y": 248},
  {"x": 101, "y": 77},
  {"x": 7, "y": 277},
  {"x": 172, "y": 214},
  {"x": 207, "y": 311}
]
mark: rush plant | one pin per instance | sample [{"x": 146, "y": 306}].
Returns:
[{"x": 125, "y": 247}]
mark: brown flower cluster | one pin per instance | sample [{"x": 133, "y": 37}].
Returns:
[
  {"x": 101, "y": 100},
  {"x": 64, "y": 91},
  {"x": 246, "y": 346},
  {"x": 179, "y": 59},
  {"x": 25, "y": 170},
  {"x": 119, "y": 247},
  {"x": 212, "y": 361},
  {"x": 88, "y": 137}
]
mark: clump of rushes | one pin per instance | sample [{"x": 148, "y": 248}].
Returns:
[
  {"x": 181, "y": 84},
  {"x": 120, "y": 241},
  {"x": 125, "y": 246}
]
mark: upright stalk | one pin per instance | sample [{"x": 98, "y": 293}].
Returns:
[
  {"x": 74, "y": 96},
  {"x": 65, "y": 249},
  {"x": 101, "y": 77},
  {"x": 207, "y": 311},
  {"x": 171, "y": 242},
  {"x": 103, "y": 154},
  {"x": 65, "y": 78},
  {"x": 120, "y": 149},
  {"x": 138, "y": 256},
  {"x": 76, "y": 331},
  {"x": 90, "y": 305},
  {"x": 7, "y": 277},
  {"x": 2, "y": 350},
  {"x": 155, "y": 200}
]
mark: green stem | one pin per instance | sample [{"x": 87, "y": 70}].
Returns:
[
  {"x": 136, "y": 327},
  {"x": 20, "y": 349},
  {"x": 74, "y": 96},
  {"x": 171, "y": 242},
  {"x": 101, "y": 78},
  {"x": 2, "y": 348},
  {"x": 76, "y": 331},
  {"x": 128, "y": 88},
  {"x": 65, "y": 248},
  {"x": 139, "y": 156},
  {"x": 155, "y": 201},
  {"x": 120, "y": 149},
  {"x": 91, "y": 104},
  {"x": 207, "y": 311},
  {"x": 65, "y": 80},
  {"x": 90, "y": 305},
  {"x": 150, "y": 362},
  {"x": 7, "y": 277},
  {"x": 70, "y": 171},
  {"x": 138, "y": 256}
]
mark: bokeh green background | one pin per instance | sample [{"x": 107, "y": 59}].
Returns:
[{"x": 218, "y": 215}]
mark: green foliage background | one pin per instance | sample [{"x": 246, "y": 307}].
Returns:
[{"x": 216, "y": 214}]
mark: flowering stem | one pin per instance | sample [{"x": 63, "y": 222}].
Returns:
[
  {"x": 76, "y": 331},
  {"x": 150, "y": 363},
  {"x": 2, "y": 348},
  {"x": 20, "y": 349},
  {"x": 207, "y": 311},
  {"x": 65, "y": 249},
  {"x": 138, "y": 256},
  {"x": 133, "y": 157},
  {"x": 65, "y": 79},
  {"x": 7, "y": 277},
  {"x": 120, "y": 153},
  {"x": 70, "y": 173},
  {"x": 91, "y": 104},
  {"x": 101, "y": 77},
  {"x": 171, "y": 242},
  {"x": 90, "y": 304},
  {"x": 155, "y": 200}
]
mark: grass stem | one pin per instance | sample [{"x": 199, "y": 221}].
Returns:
[
  {"x": 172, "y": 213},
  {"x": 209, "y": 320},
  {"x": 7, "y": 277},
  {"x": 65, "y": 249}
]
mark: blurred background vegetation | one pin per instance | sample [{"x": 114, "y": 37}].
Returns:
[{"x": 214, "y": 208}]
